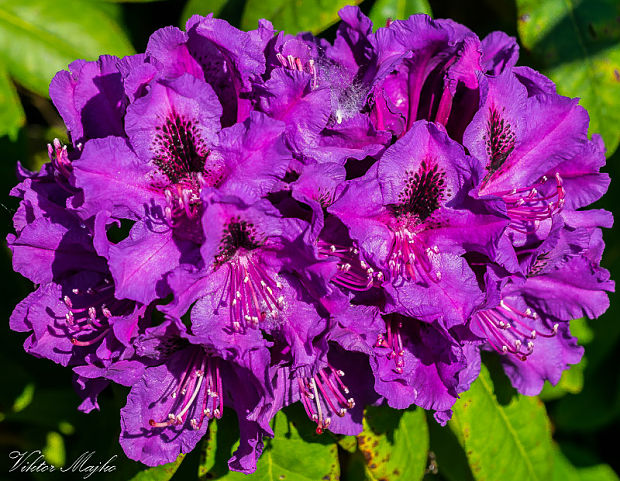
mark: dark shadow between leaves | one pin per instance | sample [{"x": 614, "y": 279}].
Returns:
[
  {"x": 384, "y": 420},
  {"x": 450, "y": 456},
  {"x": 503, "y": 390}
]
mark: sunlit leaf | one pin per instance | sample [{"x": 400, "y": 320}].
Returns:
[
  {"x": 201, "y": 7},
  {"x": 40, "y": 37},
  {"x": 12, "y": 116},
  {"x": 397, "y": 10},
  {"x": 507, "y": 440},
  {"x": 296, "y": 453},
  {"x": 563, "y": 470},
  {"x": 348, "y": 443},
  {"x": 394, "y": 443},
  {"x": 577, "y": 44},
  {"x": 128, "y": 1},
  {"x": 294, "y": 16}
]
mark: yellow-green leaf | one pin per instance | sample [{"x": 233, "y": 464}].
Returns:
[
  {"x": 397, "y": 10},
  {"x": 294, "y": 16},
  {"x": 296, "y": 453},
  {"x": 503, "y": 441},
  {"x": 40, "y": 37},
  {"x": 394, "y": 444}
]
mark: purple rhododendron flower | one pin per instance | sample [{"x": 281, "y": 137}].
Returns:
[{"x": 335, "y": 225}]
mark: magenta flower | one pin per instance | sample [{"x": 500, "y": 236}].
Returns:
[{"x": 335, "y": 225}]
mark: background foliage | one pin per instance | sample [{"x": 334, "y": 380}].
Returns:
[{"x": 568, "y": 433}]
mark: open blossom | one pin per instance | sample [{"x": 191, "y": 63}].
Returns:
[
  {"x": 335, "y": 225},
  {"x": 409, "y": 213}
]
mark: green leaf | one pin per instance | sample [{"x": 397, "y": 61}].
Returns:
[
  {"x": 12, "y": 116},
  {"x": 128, "y": 1},
  {"x": 394, "y": 443},
  {"x": 577, "y": 44},
  {"x": 563, "y": 470},
  {"x": 296, "y": 453},
  {"x": 397, "y": 10},
  {"x": 40, "y": 37},
  {"x": 160, "y": 473},
  {"x": 600, "y": 472},
  {"x": 294, "y": 16},
  {"x": 507, "y": 441},
  {"x": 201, "y": 7}
]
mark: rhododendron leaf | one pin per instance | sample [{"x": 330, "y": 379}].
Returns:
[
  {"x": 201, "y": 7},
  {"x": 12, "y": 116},
  {"x": 296, "y": 453},
  {"x": 506, "y": 436},
  {"x": 394, "y": 443},
  {"x": 564, "y": 470},
  {"x": 382, "y": 10},
  {"x": 38, "y": 38},
  {"x": 130, "y": 1},
  {"x": 159, "y": 473},
  {"x": 314, "y": 16},
  {"x": 578, "y": 47}
]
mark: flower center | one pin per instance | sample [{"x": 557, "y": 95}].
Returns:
[
  {"x": 178, "y": 149},
  {"x": 59, "y": 158},
  {"x": 539, "y": 264},
  {"x": 509, "y": 330},
  {"x": 424, "y": 192},
  {"x": 239, "y": 235},
  {"x": 324, "y": 394},
  {"x": 202, "y": 375},
  {"x": 181, "y": 155},
  {"x": 254, "y": 294}
]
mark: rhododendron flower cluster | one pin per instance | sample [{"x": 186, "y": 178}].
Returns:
[{"x": 247, "y": 220}]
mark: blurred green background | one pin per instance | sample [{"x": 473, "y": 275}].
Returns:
[{"x": 576, "y": 43}]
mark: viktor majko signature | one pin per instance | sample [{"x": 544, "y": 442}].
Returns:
[{"x": 34, "y": 462}]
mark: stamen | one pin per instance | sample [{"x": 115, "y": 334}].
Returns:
[
  {"x": 353, "y": 273},
  {"x": 411, "y": 259},
  {"x": 87, "y": 319},
  {"x": 59, "y": 158},
  {"x": 201, "y": 375},
  {"x": 393, "y": 341},
  {"x": 253, "y": 293},
  {"x": 528, "y": 207},
  {"x": 322, "y": 394},
  {"x": 509, "y": 330},
  {"x": 295, "y": 63}
]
